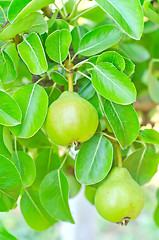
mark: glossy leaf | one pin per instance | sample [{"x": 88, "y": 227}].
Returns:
[
  {"x": 61, "y": 40},
  {"x": 77, "y": 33},
  {"x": 4, "y": 5},
  {"x": 8, "y": 72},
  {"x": 10, "y": 189},
  {"x": 10, "y": 113},
  {"x": 113, "y": 84},
  {"x": 90, "y": 67},
  {"x": 54, "y": 192},
  {"x": 59, "y": 79},
  {"x": 124, "y": 122},
  {"x": 94, "y": 160},
  {"x": 59, "y": 24},
  {"x": 4, "y": 234},
  {"x": 39, "y": 140},
  {"x": 142, "y": 164},
  {"x": 3, "y": 148},
  {"x": 150, "y": 12},
  {"x": 34, "y": 213},
  {"x": 98, "y": 40},
  {"x": 129, "y": 67},
  {"x": 7, "y": 138},
  {"x": 127, "y": 14},
  {"x": 25, "y": 166},
  {"x": 45, "y": 162},
  {"x": 31, "y": 23},
  {"x": 33, "y": 102},
  {"x": 136, "y": 52},
  {"x": 91, "y": 13},
  {"x": 113, "y": 57},
  {"x": 32, "y": 53},
  {"x": 150, "y": 136},
  {"x": 19, "y": 9},
  {"x": 86, "y": 89}
]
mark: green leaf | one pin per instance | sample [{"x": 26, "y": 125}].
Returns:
[
  {"x": 33, "y": 102},
  {"x": 124, "y": 122},
  {"x": 149, "y": 12},
  {"x": 7, "y": 138},
  {"x": 39, "y": 140},
  {"x": 127, "y": 14},
  {"x": 53, "y": 93},
  {"x": 77, "y": 33},
  {"x": 32, "y": 23},
  {"x": 129, "y": 67},
  {"x": 51, "y": 21},
  {"x": 25, "y": 166},
  {"x": 8, "y": 72},
  {"x": 54, "y": 192},
  {"x": 153, "y": 82},
  {"x": 61, "y": 40},
  {"x": 4, "y": 5},
  {"x": 34, "y": 213},
  {"x": 11, "y": 49},
  {"x": 86, "y": 89},
  {"x": 98, "y": 40},
  {"x": 113, "y": 57},
  {"x": 142, "y": 164},
  {"x": 59, "y": 24},
  {"x": 95, "y": 102},
  {"x": 135, "y": 51},
  {"x": 150, "y": 136},
  {"x": 45, "y": 162},
  {"x": 10, "y": 184},
  {"x": 19, "y": 9},
  {"x": 32, "y": 53},
  {"x": 113, "y": 84},
  {"x": 90, "y": 192},
  {"x": 94, "y": 160},
  {"x": 10, "y": 113},
  {"x": 4, "y": 234},
  {"x": 59, "y": 79},
  {"x": 91, "y": 13},
  {"x": 3, "y": 149}
]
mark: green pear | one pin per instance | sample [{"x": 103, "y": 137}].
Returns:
[
  {"x": 119, "y": 199},
  {"x": 71, "y": 119}
]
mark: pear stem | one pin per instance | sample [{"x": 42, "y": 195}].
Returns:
[
  {"x": 69, "y": 74},
  {"x": 119, "y": 156}
]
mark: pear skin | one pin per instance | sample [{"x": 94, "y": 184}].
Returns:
[
  {"x": 71, "y": 119},
  {"x": 119, "y": 199}
]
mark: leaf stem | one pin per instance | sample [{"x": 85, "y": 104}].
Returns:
[
  {"x": 69, "y": 74},
  {"x": 64, "y": 8},
  {"x": 80, "y": 63},
  {"x": 40, "y": 80},
  {"x": 108, "y": 136},
  {"x": 62, "y": 15},
  {"x": 67, "y": 153},
  {"x": 6, "y": 44},
  {"x": 84, "y": 75},
  {"x": 5, "y": 17},
  {"x": 119, "y": 156}
]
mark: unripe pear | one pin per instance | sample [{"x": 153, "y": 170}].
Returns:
[
  {"x": 71, "y": 118},
  {"x": 119, "y": 199}
]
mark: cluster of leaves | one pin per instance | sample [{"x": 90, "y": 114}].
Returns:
[{"x": 34, "y": 46}]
